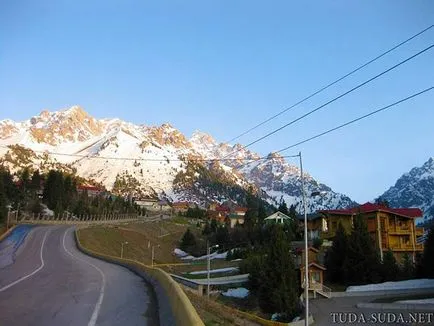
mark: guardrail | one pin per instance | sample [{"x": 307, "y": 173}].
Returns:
[{"x": 167, "y": 290}]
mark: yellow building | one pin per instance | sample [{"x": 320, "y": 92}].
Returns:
[{"x": 390, "y": 228}]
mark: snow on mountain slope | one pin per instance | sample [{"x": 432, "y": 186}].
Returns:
[
  {"x": 414, "y": 189},
  {"x": 277, "y": 178},
  {"x": 156, "y": 160}
]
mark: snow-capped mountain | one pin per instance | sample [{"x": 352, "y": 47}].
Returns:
[
  {"x": 414, "y": 189},
  {"x": 152, "y": 160}
]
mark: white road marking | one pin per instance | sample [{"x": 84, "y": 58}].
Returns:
[
  {"x": 32, "y": 273},
  {"x": 95, "y": 313}
]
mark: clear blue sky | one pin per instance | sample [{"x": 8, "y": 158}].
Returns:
[{"x": 223, "y": 66}]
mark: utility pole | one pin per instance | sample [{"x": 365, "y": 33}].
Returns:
[
  {"x": 209, "y": 266},
  {"x": 122, "y": 248},
  {"x": 153, "y": 254},
  {"x": 7, "y": 220},
  {"x": 306, "y": 249}
]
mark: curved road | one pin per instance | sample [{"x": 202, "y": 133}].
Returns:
[{"x": 52, "y": 283}]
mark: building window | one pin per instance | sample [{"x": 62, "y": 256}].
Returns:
[
  {"x": 334, "y": 225},
  {"x": 315, "y": 277}
]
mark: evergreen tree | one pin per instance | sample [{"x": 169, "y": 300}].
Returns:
[
  {"x": 428, "y": 254},
  {"x": 207, "y": 229},
  {"x": 408, "y": 268},
  {"x": 262, "y": 213},
  {"x": 213, "y": 226},
  {"x": 3, "y": 202},
  {"x": 363, "y": 264},
  {"x": 390, "y": 268},
  {"x": 278, "y": 291},
  {"x": 283, "y": 208},
  {"x": 35, "y": 183},
  {"x": 188, "y": 241},
  {"x": 222, "y": 236},
  {"x": 336, "y": 257}
]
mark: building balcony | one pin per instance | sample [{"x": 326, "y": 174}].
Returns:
[
  {"x": 399, "y": 230},
  {"x": 419, "y": 232},
  {"x": 406, "y": 247}
]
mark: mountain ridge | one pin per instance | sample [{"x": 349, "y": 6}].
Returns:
[{"x": 153, "y": 159}]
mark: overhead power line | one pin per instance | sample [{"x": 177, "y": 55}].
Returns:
[
  {"x": 331, "y": 84},
  {"x": 357, "y": 119},
  {"x": 347, "y": 123},
  {"x": 78, "y": 156},
  {"x": 335, "y": 99}
]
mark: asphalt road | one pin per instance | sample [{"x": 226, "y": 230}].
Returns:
[{"x": 52, "y": 283}]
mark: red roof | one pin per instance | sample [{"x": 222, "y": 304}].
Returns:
[
  {"x": 369, "y": 207},
  {"x": 222, "y": 209},
  {"x": 181, "y": 204}
]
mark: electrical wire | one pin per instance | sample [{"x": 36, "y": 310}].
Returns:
[
  {"x": 335, "y": 99},
  {"x": 357, "y": 119},
  {"x": 330, "y": 84}
]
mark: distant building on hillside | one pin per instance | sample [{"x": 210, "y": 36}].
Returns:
[
  {"x": 146, "y": 202},
  {"x": 390, "y": 228},
  {"x": 92, "y": 191},
  {"x": 278, "y": 217},
  {"x": 182, "y": 206}
]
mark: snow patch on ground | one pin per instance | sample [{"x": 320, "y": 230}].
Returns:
[
  {"x": 178, "y": 252},
  {"x": 401, "y": 285},
  {"x": 211, "y": 256},
  {"x": 236, "y": 293},
  {"x": 219, "y": 270},
  {"x": 47, "y": 212}
]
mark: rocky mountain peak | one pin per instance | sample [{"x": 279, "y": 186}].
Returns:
[
  {"x": 72, "y": 124},
  {"x": 202, "y": 138},
  {"x": 414, "y": 189}
]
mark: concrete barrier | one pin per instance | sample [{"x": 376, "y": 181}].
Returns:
[
  {"x": 5, "y": 234},
  {"x": 174, "y": 306},
  {"x": 267, "y": 322}
]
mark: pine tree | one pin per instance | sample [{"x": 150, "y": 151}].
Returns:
[
  {"x": 363, "y": 264},
  {"x": 408, "y": 268},
  {"x": 278, "y": 291},
  {"x": 3, "y": 202},
  {"x": 390, "y": 268},
  {"x": 283, "y": 208},
  {"x": 336, "y": 257},
  {"x": 428, "y": 254},
  {"x": 35, "y": 183},
  {"x": 188, "y": 241}
]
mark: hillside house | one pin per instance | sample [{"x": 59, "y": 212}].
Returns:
[
  {"x": 181, "y": 207},
  {"x": 390, "y": 228},
  {"x": 278, "y": 217},
  {"x": 235, "y": 219},
  {"x": 316, "y": 268},
  {"x": 92, "y": 191},
  {"x": 146, "y": 202}
]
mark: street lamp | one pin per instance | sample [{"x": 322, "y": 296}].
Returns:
[
  {"x": 7, "y": 220},
  {"x": 306, "y": 259},
  {"x": 153, "y": 254},
  {"x": 122, "y": 248},
  {"x": 209, "y": 265}
]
